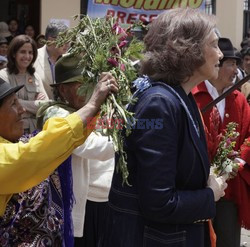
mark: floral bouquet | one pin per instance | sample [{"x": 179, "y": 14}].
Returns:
[
  {"x": 106, "y": 47},
  {"x": 224, "y": 159}
]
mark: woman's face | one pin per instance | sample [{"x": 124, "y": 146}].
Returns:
[
  {"x": 24, "y": 57},
  {"x": 29, "y": 30},
  {"x": 212, "y": 55},
  {"x": 11, "y": 111},
  {"x": 13, "y": 26}
]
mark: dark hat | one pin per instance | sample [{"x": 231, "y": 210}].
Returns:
[
  {"x": 227, "y": 48},
  {"x": 67, "y": 69},
  {"x": 6, "y": 89}
]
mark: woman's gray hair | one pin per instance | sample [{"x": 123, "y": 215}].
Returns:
[{"x": 175, "y": 45}]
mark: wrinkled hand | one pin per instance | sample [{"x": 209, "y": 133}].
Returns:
[
  {"x": 106, "y": 85},
  {"x": 218, "y": 185}
]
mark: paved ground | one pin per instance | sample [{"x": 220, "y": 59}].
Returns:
[{"x": 245, "y": 238}]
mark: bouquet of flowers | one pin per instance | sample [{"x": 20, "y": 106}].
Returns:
[
  {"x": 225, "y": 160},
  {"x": 223, "y": 157},
  {"x": 106, "y": 47}
]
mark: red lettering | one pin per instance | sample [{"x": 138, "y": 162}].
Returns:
[
  {"x": 120, "y": 16},
  {"x": 110, "y": 12},
  {"x": 143, "y": 18},
  {"x": 152, "y": 17},
  {"x": 131, "y": 18}
]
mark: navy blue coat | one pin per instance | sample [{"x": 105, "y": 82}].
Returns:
[{"x": 168, "y": 171}]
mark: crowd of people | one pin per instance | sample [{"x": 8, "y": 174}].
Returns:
[{"x": 58, "y": 179}]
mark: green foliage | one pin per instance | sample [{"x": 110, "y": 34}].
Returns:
[{"x": 104, "y": 47}]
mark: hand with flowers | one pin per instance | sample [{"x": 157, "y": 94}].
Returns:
[
  {"x": 226, "y": 161},
  {"x": 217, "y": 185}
]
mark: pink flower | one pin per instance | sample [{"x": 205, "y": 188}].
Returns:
[
  {"x": 233, "y": 154},
  {"x": 119, "y": 31},
  {"x": 122, "y": 67},
  {"x": 123, "y": 43},
  {"x": 228, "y": 142},
  {"x": 113, "y": 62}
]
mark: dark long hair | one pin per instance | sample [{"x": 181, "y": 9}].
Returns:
[{"x": 15, "y": 44}]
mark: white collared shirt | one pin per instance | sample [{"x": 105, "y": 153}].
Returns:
[{"x": 214, "y": 94}]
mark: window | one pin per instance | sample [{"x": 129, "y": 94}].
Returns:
[
  {"x": 246, "y": 4},
  {"x": 210, "y": 6}
]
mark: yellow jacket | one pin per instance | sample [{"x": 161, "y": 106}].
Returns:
[{"x": 24, "y": 165}]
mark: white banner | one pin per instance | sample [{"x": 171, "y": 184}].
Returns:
[{"x": 128, "y": 11}]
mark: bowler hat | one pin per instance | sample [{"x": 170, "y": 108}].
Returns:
[
  {"x": 6, "y": 89},
  {"x": 67, "y": 69},
  {"x": 227, "y": 48}
]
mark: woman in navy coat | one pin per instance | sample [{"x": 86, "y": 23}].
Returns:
[{"x": 171, "y": 196}]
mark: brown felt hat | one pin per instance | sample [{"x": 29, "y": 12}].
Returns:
[{"x": 67, "y": 69}]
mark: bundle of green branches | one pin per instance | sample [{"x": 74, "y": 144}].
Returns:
[{"x": 104, "y": 47}]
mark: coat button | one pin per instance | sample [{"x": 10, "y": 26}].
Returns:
[{"x": 227, "y": 115}]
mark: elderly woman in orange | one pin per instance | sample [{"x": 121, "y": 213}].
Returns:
[
  {"x": 20, "y": 71},
  {"x": 25, "y": 165}
]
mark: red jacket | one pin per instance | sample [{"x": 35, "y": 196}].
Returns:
[{"x": 236, "y": 110}]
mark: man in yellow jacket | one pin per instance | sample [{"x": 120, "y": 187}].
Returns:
[{"x": 24, "y": 165}]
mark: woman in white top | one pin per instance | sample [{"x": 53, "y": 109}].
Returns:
[{"x": 21, "y": 56}]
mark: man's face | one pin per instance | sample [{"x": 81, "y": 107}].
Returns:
[
  {"x": 62, "y": 49},
  {"x": 69, "y": 92},
  {"x": 246, "y": 64},
  {"x": 11, "y": 124},
  {"x": 59, "y": 50},
  {"x": 227, "y": 73}
]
